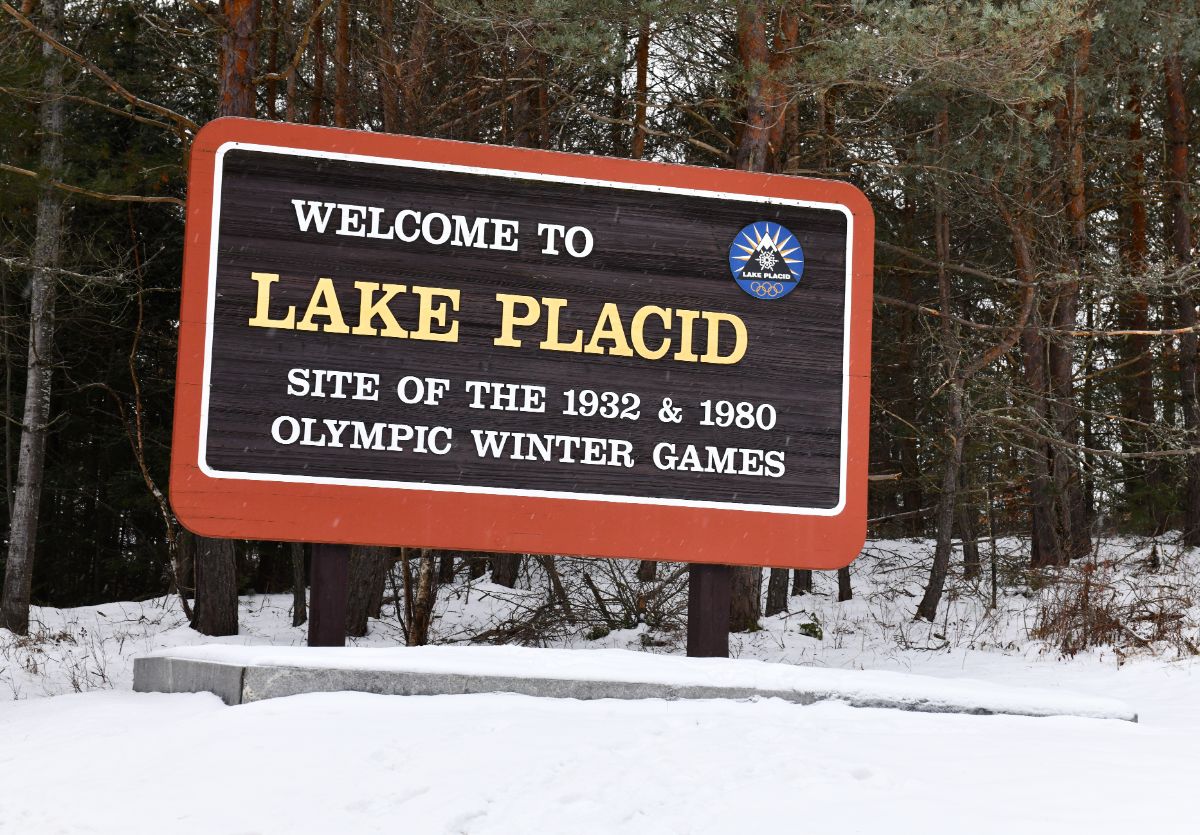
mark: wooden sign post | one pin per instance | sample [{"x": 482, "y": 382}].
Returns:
[{"x": 387, "y": 340}]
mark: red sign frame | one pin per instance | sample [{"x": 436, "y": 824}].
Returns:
[{"x": 339, "y": 513}]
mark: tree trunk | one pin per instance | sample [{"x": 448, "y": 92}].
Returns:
[
  {"x": 368, "y": 571},
  {"x": 557, "y": 591},
  {"x": 291, "y": 77},
  {"x": 446, "y": 567},
  {"x": 845, "y": 592},
  {"x": 341, "y": 67},
  {"x": 46, "y": 258},
  {"x": 1180, "y": 228},
  {"x": 506, "y": 568},
  {"x": 216, "y": 611},
  {"x": 1144, "y": 480},
  {"x": 638, "y": 145},
  {"x": 421, "y": 614},
  {"x": 477, "y": 566},
  {"x": 412, "y": 78},
  {"x": 389, "y": 92},
  {"x": 299, "y": 601},
  {"x": 967, "y": 533},
  {"x": 1046, "y": 549},
  {"x": 1068, "y": 481},
  {"x": 802, "y": 582},
  {"x": 273, "y": 42},
  {"x": 316, "y": 107},
  {"x": 765, "y": 96},
  {"x": 745, "y": 603},
  {"x": 956, "y": 429},
  {"x": 238, "y": 58},
  {"x": 927, "y": 608},
  {"x": 777, "y": 592},
  {"x": 9, "y": 445}
]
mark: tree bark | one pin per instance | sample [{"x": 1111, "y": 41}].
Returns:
[
  {"x": 745, "y": 603},
  {"x": 389, "y": 91},
  {"x": 412, "y": 78},
  {"x": 446, "y": 567},
  {"x": 642, "y": 58},
  {"x": 1180, "y": 229},
  {"x": 45, "y": 259},
  {"x": 216, "y": 611},
  {"x": 1144, "y": 480},
  {"x": 845, "y": 592},
  {"x": 777, "y": 592},
  {"x": 316, "y": 107},
  {"x": 802, "y": 582},
  {"x": 299, "y": 600},
  {"x": 968, "y": 535},
  {"x": 557, "y": 591},
  {"x": 368, "y": 571},
  {"x": 506, "y": 568},
  {"x": 764, "y": 61},
  {"x": 341, "y": 67},
  {"x": 1046, "y": 549},
  {"x": 956, "y": 430},
  {"x": 1068, "y": 483},
  {"x": 238, "y": 58},
  {"x": 421, "y": 614}
]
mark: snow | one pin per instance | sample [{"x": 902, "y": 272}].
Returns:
[
  {"x": 346, "y": 762},
  {"x": 108, "y": 760},
  {"x": 856, "y": 687}
]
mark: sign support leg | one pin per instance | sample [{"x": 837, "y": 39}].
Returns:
[
  {"x": 709, "y": 592},
  {"x": 330, "y": 579}
]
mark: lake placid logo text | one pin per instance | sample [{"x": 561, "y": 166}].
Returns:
[{"x": 766, "y": 260}]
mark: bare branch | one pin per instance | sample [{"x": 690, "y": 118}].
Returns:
[
  {"x": 184, "y": 124},
  {"x": 87, "y": 192}
]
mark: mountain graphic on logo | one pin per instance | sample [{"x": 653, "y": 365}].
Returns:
[
  {"x": 766, "y": 260},
  {"x": 766, "y": 252}
]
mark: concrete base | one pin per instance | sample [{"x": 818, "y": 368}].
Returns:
[{"x": 241, "y": 680}]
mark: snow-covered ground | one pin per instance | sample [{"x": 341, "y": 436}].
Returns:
[{"x": 108, "y": 760}]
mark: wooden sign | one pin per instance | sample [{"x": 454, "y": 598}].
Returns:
[{"x": 398, "y": 341}]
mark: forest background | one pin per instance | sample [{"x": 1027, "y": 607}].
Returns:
[{"x": 1035, "y": 341}]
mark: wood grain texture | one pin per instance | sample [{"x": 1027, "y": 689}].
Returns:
[{"x": 650, "y": 248}]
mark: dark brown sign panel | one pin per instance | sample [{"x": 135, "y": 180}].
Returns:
[{"x": 388, "y": 340}]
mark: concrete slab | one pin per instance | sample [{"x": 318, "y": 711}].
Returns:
[{"x": 240, "y": 674}]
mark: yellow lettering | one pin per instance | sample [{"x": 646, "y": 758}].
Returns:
[
  {"x": 369, "y": 308},
  {"x": 324, "y": 302},
  {"x": 552, "y": 342},
  {"x": 262, "y": 315},
  {"x": 686, "y": 319},
  {"x": 713, "y": 354},
  {"x": 637, "y": 331},
  {"x": 432, "y": 313},
  {"x": 510, "y": 320},
  {"x": 609, "y": 326}
]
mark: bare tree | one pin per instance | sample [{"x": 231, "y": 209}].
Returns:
[{"x": 45, "y": 260}]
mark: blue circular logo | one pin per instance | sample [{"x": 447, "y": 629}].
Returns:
[{"x": 766, "y": 260}]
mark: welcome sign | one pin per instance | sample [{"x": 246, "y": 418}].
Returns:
[{"x": 398, "y": 341}]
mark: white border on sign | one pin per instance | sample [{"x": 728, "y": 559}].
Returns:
[{"x": 507, "y": 491}]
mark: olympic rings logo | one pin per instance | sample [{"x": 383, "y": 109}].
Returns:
[{"x": 766, "y": 289}]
